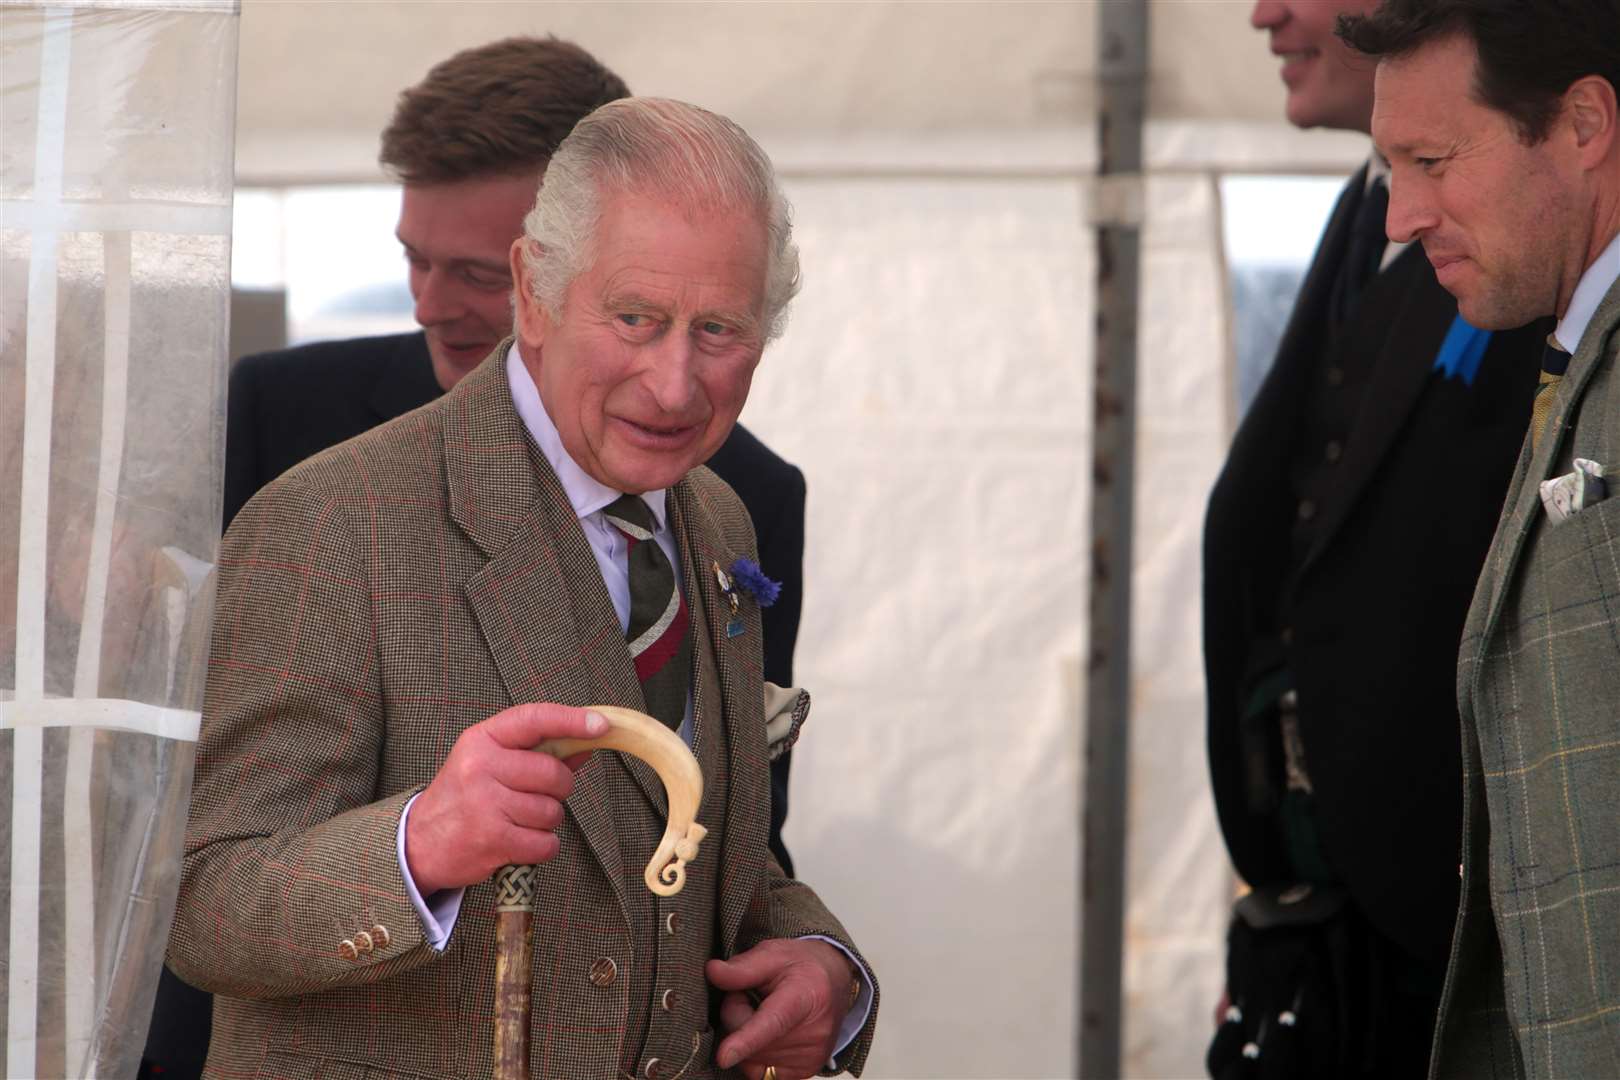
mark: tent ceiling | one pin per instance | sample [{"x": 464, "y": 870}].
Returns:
[{"x": 324, "y": 74}]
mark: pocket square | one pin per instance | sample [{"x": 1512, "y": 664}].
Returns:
[{"x": 1568, "y": 495}]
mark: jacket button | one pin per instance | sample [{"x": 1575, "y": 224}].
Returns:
[
  {"x": 362, "y": 942},
  {"x": 380, "y": 935},
  {"x": 348, "y": 950},
  {"x": 672, "y": 923},
  {"x": 667, "y": 1000},
  {"x": 604, "y": 971}
]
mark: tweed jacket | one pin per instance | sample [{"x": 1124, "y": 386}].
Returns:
[
  {"x": 1533, "y": 988},
  {"x": 374, "y": 602}
]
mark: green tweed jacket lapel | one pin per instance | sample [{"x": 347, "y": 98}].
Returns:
[{"x": 539, "y": 602}]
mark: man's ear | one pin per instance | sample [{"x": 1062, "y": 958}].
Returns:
[
  {"x": 531, "y": 321},
  {"x": 1593, "y": 112}
]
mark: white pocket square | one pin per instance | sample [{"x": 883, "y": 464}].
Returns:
[{"x": 1567, "y": 495}]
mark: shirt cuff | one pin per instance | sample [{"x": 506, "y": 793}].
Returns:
[
  {"x": 438, "y": 912},
  {"x": 855, "y": 1018}
]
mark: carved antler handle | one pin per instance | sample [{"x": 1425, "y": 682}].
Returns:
[
  {"x": 638, "y": 734},
  {"x": 629, "y": 732}
]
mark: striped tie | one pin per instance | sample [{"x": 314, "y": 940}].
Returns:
[
  {"x": 660, "y": 643},
  {"x": 1554, "y": 362}
]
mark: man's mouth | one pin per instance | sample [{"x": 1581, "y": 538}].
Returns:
[
  {"x": 1446, "y": 267},
  {"x": 659, "y": 433},
  {"x": 1294, "y": 60},
  {"x": 477, "y": 349}
]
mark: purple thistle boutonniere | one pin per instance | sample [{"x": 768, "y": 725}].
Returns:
[{"x": 752, "y": 580}]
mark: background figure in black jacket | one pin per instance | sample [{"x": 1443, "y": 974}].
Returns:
[
  {"x": 1342, "y": 543},
  {"x": 469, "y": 143}
]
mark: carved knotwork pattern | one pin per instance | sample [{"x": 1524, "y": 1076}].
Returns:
[{"x": 514, "y": 888}]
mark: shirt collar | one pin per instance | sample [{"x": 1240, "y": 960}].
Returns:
[
  {"x": 1377, "y": 169},
  {"x": 585, "y": 493},
  {"x": 1589, "y": 293}
]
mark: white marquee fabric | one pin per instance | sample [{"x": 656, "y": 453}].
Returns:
[{"x": 115, "y": 188}]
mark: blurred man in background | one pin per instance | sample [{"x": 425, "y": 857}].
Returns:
[{"x": 1340, "y": 550}]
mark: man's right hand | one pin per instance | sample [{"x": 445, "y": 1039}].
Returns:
[{"x": 495, "y": 800}]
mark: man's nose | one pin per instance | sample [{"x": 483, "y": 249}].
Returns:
[
  {"x": 1411, "y": 210},
  {"x": 1267, "y": 14},
  {"x": 438, "y": 298},
  {"x": 672, "y": 371}
]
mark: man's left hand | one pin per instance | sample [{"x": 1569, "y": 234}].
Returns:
[{"x": 802, "y": 990}]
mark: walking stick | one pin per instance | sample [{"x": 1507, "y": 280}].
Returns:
[{"x": 629, "y": 732}]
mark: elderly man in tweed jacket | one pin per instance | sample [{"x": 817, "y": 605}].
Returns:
[
  {"x": 1502, "y": 125},
  {"x": 403, "y": 616}
]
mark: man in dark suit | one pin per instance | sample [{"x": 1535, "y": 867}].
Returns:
[
  {"x": 1341, "y": 547},
  {"x": 469, "y": 144}
]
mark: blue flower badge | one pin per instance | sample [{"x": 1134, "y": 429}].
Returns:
[{"x": 746, "y": 578}]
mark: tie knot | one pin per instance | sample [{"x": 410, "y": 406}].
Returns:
[
  {"x": 1554, "y": 360},
  {"x": 631, "y": 516}
]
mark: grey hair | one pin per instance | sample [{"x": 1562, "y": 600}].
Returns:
[{"x": 659, "y": 146}]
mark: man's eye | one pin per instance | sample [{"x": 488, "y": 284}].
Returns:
[
  {"x": 485, "y": 279},
  {"x": 715, "y": 329},
  {"x": 636, "y": 325},
  {"x": 1427, "y": 163}
]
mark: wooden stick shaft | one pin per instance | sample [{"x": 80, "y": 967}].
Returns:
[{"x": 512, "y": 930}]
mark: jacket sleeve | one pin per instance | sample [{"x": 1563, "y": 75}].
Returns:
[{"x": 290, "y": 851}]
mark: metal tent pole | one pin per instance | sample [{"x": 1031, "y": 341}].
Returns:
[{"x": 1122, "y": 54}]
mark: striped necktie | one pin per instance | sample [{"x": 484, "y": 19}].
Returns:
[
  {"x": 1554, "y": 362},
  {"x": 659, "y": 637}
]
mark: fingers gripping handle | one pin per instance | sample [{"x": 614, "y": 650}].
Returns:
[{"x": 637, "y": 734}]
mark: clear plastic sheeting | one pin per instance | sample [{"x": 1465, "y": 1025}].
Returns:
[{"x": 115, "y": 192}]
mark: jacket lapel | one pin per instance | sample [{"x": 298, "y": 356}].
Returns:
[
  {"x": 1395, "y": 385},
  {"x": 1524, "y": 496},
  {"x": 539, "y": 601}
]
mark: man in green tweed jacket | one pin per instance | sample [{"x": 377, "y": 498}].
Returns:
[
  {"x": 403, "y": 616},
  {"x": 1502, "y": 126}
]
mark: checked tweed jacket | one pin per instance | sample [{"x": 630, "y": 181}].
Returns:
[
  {"x": 374, "y": 602},
  {"x": 1534, "y": 983}
]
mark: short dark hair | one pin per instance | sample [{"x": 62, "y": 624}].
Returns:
[
  {"x": 1530, "y": 51},
  {"x": 496, "y": 109}
]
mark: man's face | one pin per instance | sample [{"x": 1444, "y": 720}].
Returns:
[
  {"x": 1496, "y": 217},
  {"x": 648, "y": 364},
  {"x": 1329, "y": 84},
  {"x": 456, "y": 237}
]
